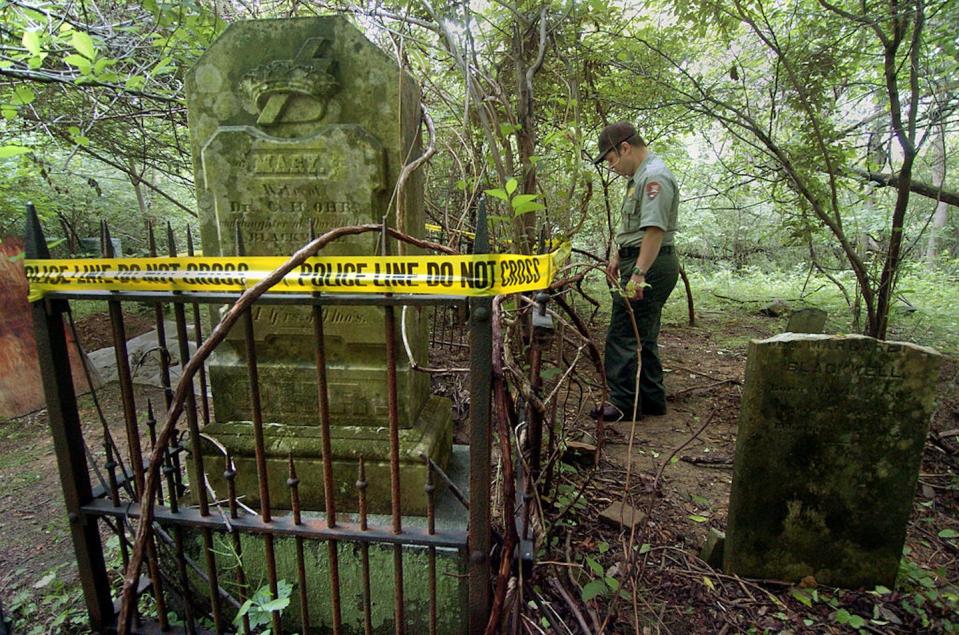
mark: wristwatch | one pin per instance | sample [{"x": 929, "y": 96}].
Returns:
[{"x": 638, "y": 272}]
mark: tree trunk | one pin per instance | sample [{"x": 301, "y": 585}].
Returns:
[{"x": 938, "y": 180}]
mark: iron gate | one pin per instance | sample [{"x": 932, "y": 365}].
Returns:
[{"x": 108, "y": 506}]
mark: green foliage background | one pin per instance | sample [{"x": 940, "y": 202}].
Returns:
[{"x": 764, "y": 111}]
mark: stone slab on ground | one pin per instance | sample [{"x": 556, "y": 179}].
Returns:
[
  {"x": 830, "y": 439},
  {"x": 624, "y": 514},
  {"x": 143, "y": 352}
]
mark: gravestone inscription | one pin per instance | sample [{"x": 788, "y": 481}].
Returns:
[
  {"x": 301, "y": 126},
  {"x": 827, "y": 457}
]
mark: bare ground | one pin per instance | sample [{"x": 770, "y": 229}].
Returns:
[{"x": 690, "y": 449}]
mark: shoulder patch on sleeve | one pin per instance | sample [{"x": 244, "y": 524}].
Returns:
[{"x": 652, "y": 189}]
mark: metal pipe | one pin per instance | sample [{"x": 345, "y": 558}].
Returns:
[
  {"x": 395, "y": 506},
  {"x": 361, "y": 485},
  {"x": 431, "y": 528},
  {"x": 198, "y": 337},
  {"x": 260, "y": 445},
  {"x": 230, "y": 475},
  {"x": 323, "y": 406},
  {"x": 293, "y": 482},
  {"x": 199, "y": 488},
  {"x": 125, "y": 379}
]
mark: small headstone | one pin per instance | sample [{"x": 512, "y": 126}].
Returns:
[
  {"x": 808, "y": 320},
  {"x": 620, "y": 513},
  {"x": 775, "y": 308},
  {"x": 579, "y": 452},
  {"x": 712, "y": 551},
  {"x": 827, "y": 457}
]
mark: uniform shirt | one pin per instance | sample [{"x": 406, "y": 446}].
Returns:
[{"x": 652, "y": 200}]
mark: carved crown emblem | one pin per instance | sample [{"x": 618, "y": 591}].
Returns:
[{"x": 309, "y": 74}]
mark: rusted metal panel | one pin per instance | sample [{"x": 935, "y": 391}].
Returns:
[{"x": 21, "y": 389}]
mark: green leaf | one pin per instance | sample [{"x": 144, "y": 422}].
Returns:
[
  {"x": 709, "y": 583},
  {"x": 7, "y": 152},
  {"x": 506, "y": 129},
  {"x": 596, "y": 567},
  {"x": 592, "y": 589},
  {"x": 135, "y": 82},
  {"x": 602, "y": 546},
  {"x": 276, "y": 605},
  {"x": 949, "y": 533},
  {"x": 801, "y": 597},
  {"x": 612, "y": 583},
  {"x": 23, "y": 95},
  {"x": 645, "y": 548},
  {"x": 526, "y": 208},
  {"x": 161, "y": 67},
  {"x": 511, "y": 186},
  {"x": 83, "y": 44},
  {"x": 31, "y": 42},
  {"x": 698, "y": 518},
  {"x": 79, "y": 61},
  {"x": 551, "y": 373},
  {"x": 881, "y": 590},
  {"x": 461, "y": 185},
  {"x": 498, "y": 193},
  {"x": 520, "y": 199}
]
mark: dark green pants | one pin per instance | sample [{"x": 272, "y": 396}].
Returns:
[{"x": 621, "y": 345}]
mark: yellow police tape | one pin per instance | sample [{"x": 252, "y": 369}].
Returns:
[{"x": 472, "y": 275}]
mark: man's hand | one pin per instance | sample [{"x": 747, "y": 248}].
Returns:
[
  {"x": 637, "y": 283},
  {"x": 612, "y": 269}
]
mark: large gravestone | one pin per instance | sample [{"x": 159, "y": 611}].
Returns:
[
  {"x": 303, "y": 125},
  {"x": 827, "y": 457}
]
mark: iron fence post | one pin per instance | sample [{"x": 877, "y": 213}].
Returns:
[
  {"x": 481, "y": 358},
  {"x": 68, "y": 439}
]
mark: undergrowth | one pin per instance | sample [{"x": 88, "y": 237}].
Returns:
[{"x": 926, "y": 311}]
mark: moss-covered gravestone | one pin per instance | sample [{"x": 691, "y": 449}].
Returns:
[
  {"x": 827, "y": 457},
  {"x": 295, "y": 123},
  {"x": 808, "y": 320}
]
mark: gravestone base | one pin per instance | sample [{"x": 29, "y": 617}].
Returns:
[
  {"x": 431, "y": 436},
  {"x": 452, "y": 589}
]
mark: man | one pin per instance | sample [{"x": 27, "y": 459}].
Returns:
[{"x": 643, "y": 262}]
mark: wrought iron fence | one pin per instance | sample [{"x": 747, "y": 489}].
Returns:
[{"x": 176, "y": 569}]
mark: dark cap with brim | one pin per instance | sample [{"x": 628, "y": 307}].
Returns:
[{"x": 611, "y": 136}]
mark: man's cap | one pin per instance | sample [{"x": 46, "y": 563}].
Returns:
[{"x": 611, "y": 136}]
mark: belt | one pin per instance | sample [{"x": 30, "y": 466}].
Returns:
[{"x": 633, "y": 252}]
